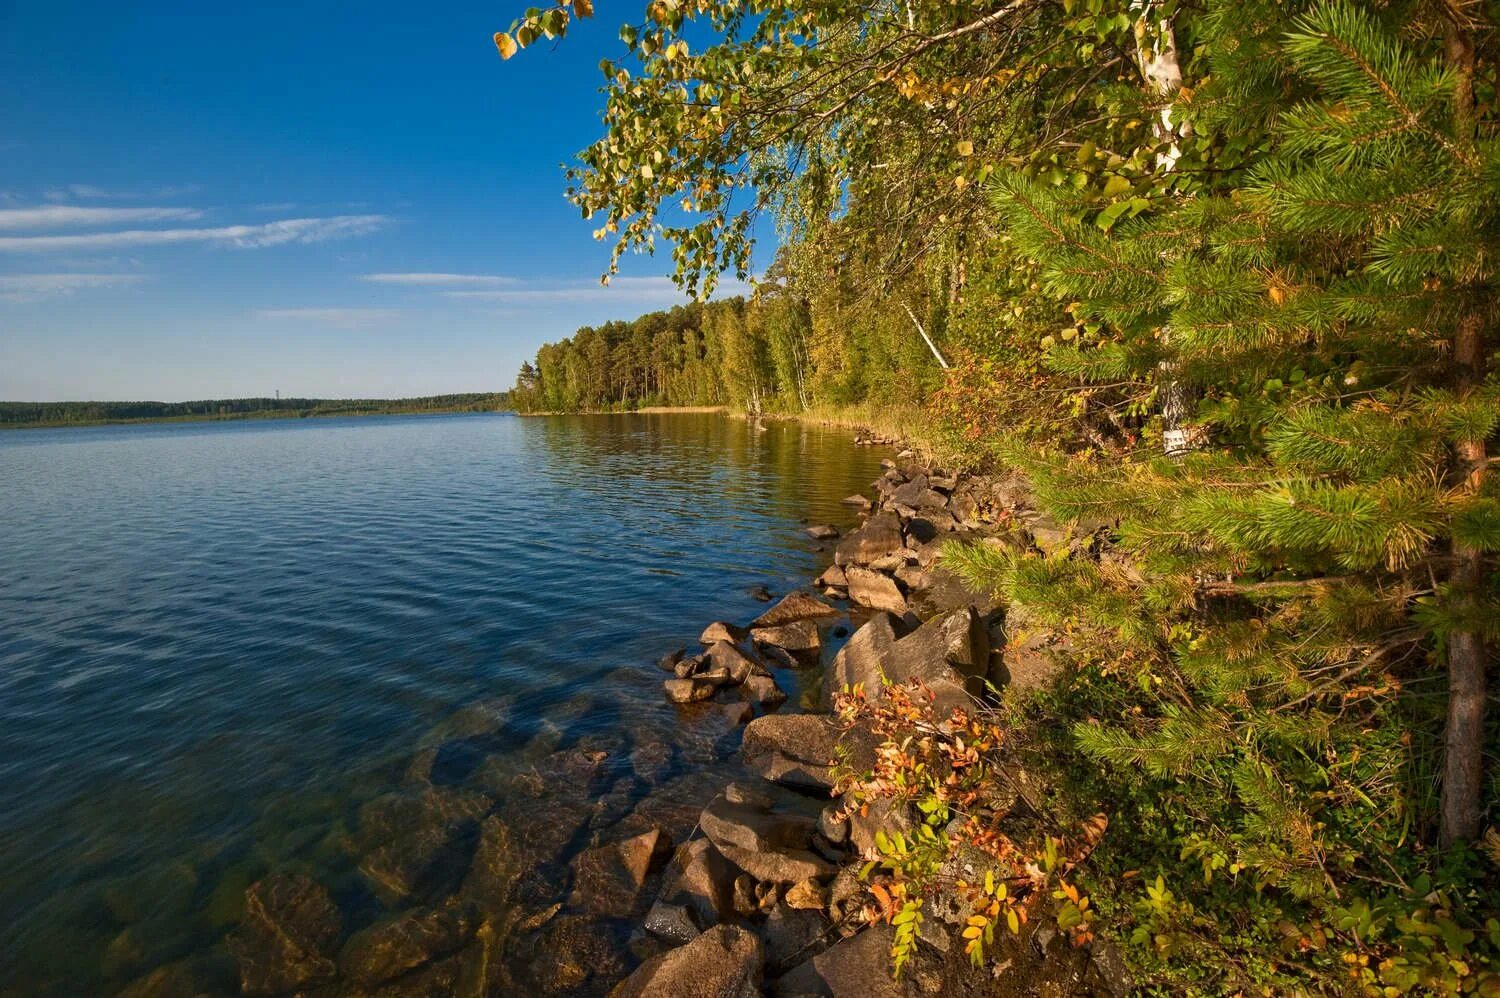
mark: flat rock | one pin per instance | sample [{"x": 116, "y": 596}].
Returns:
[
  {"x": 747, "y": 826},
  {"x": 763, "y": 690},
  {"x": 857, "y": 501},
  {"x": 724, "y": 655},
  {"x": 822, "y": 531},
  {"x": 857, "y": 967},
  {"x": 800, "y": 638},
  {"x": 833, "y": 576},
  {"x": 880, "y": 536},
  {"x": 874, "y": 590},
  {"x": 288, "y": 936},
  {"x": 724, "y": 962},
  {"x": 399, "y": 945},
  {"x": 793, "y": 607},
  {"x": 780, "y": 866}
]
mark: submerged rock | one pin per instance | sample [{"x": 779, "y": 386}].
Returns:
[
  {"x": 697, "y": 892},
  {"x": 288, "y": 937},
  {"x": 400, "y": 945},
  {"x": 724, "y": 962},
  {"x": 857, "y": 501},
  {"x": 608, "y": 879}
]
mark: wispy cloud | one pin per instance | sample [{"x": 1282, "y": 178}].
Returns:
[
  {"x": 351, "y": 317},
  {"x": 440, "y": 280},
  {"x": 649, "y": 290},
  {"x": 92, "y": 192},
  {"x": 73, "y": 216},
  {"x": 290, "y": 230},
  {"x": 33, "y": 287}
]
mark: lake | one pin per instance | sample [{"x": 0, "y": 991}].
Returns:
[{"x": 221, "y": 642}]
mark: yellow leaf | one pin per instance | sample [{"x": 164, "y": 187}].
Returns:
[
  {"x": 973, "y": 932},
  {"x": 506, "y": 44},
  {"x": 966, "y": 148},
  {"x": 583, "y": 8}
]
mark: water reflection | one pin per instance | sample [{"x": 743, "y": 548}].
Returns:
[{"x": 221, "y": 645}]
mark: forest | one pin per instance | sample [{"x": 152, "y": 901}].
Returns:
[
  {"x": 1219, "y": 278},
  {"x": 16, "y": 414}
]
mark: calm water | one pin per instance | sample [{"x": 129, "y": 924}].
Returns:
[{"x": 218, "y": 640}]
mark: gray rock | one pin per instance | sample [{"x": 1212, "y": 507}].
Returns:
[
  {"x": 874, "y": 590},
  {"x": 780, "y": 866},
  {"x": 696, "y": 893},
  {"x": 833, "y": 576},
  {"x": 822, "y": 531},
  {"x": 724, "y": 962},
  {"x": 724, "y": 655},
  {"x": 763, "y": 690},
  {"x": 799, "y": 638},
  {"x": 400, "y": 945},
  {"x": 668, "y": 662},
  {"x": 860, "y": 661},
  {"x": 857, "y": 967},
  {"x": 744, "y": 826},
  {"x": 792, "y": 608},
  {"x": 288, "y": 936},
  {"x": 857, "y": 501},
  {"x": 880, "y": 536},
  {"x": 884, "y": 815},
  {"x": 721, "y": 631},
  {"x": 954, "y": 646},
  {"x": 689, "y": 690},
  {"x": 792, "y": 936},
  {"x": 799, "y": 749}
]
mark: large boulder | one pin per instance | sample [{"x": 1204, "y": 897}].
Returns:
[
  {"x": 399, "y": 945},
  {"x": 862, "y": 659},
  {"x": 792, "y": 608},
  {"x": 879, "y": 537},
  {"x": 792, "y": 935},
  {"x": 288, "y": 936},
  {"x": 723, "y": 655},
  {"x": 780, "y": 866},
  {"x": 696, "y": 893},
  {"x": 874, "y": 589},
  {"x": 917, "y": 495},
  {"x": 721, "y": 631},
  {"x": 799, "y": 750},
  {"x": 608, "y": 879},
  {"x": 724, "y": 962},
  {"x": 953, "y": 646},
  {"x": 857, "y": 967}
]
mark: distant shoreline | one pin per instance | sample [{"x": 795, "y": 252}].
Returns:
[
  {"x": 62, "y": 415},
  {"x": 645, "y": 410}
]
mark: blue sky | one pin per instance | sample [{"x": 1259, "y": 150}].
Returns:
[{"x": 336, "y": 199}]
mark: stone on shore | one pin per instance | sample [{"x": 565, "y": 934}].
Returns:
[
  {"x": 861, "y": 660},
  {"x": 857, "y": 501},
  {"x": 857, "y": 967},
  {"x": 763, "y": 690},
  {"x": 799, "y": 638},
  {"x": 874, "y": 590},
  {"x": 669, "y": 661},
  {"x": 748, "y": 826},
  {"x": 721, "y": 631},
  {"x": 399, "y": 945},
  {"x": 954, "y": 646},
  {"x": 822, "y": 531},
  {"x": 880, "y": 536},
  {"x": 833, "y": 576},
  {"x": 724, "y": 655},
  {"x": 799, "y": 750},
  {"x": 724, "y": 962},
  {"x": 793, "y": 607},
  {"x": 780, "y": 866},
  {"x": 288, "y": 936},
  {"x": 697, "y": 893}
]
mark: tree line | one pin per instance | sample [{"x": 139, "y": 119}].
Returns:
[
  {"x": 77, "y": 413},
  {"x": 1220, "y": 278}
]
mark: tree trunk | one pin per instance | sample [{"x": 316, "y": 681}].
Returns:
[
  {"x": 1463, "y": 738},
  {"x": 1156, "y": 55}
]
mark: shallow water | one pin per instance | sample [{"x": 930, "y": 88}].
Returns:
[{"x": 218, "y": 641}]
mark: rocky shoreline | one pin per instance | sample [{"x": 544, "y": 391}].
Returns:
[{"x": 706, "y": 860}]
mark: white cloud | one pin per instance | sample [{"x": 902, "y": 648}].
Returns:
[
  {"x": 31, "y": 287},
  {"x": 439, "y": 280},
  {"x": 649, "y": 290},
  {"x": 351, "y": 317},
  {"x": 64, "y": 215},
  {"x": 85, "y": 192},
  {"x": 290, "y": 230}
]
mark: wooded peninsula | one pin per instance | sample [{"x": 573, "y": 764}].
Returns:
[
  {"x": 1217, "y": 281},
  {"x": 39, "y": 414}
]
